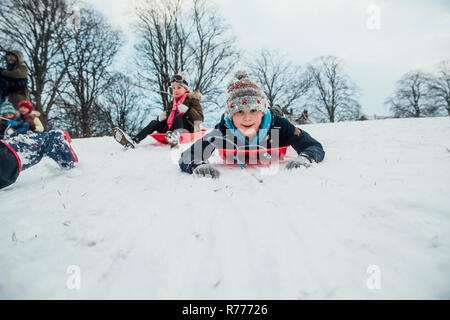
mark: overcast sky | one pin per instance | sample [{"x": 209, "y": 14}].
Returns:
[{"x": 408, "y": 35}]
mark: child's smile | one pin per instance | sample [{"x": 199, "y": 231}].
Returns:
[{"x": 248, "y": 121}]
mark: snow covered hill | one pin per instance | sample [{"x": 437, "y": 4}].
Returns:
[{"x": 370, "y": 222}]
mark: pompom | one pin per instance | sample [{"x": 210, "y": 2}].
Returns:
[
  {"x": 184, "y": 75},
  {"x": 241, "y": 74}
]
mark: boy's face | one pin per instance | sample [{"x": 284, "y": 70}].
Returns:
[
  {"x": 9, "y": 116},
  {"x": 178, "y": 90},
  {"x": 24, "y": 110},
  {"x": 248, "y": 121}
]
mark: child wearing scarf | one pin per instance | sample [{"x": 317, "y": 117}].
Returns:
[
  {"x": 184, "y": 112},
  {"x": 248, "y": 122}
]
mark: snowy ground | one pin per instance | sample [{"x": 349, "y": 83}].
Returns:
[{"x": 139, "y": 228}]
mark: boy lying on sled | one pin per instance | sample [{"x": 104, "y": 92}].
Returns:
[{"x": 248, "y": 122}]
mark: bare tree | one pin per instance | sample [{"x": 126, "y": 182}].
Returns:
[
  {"x": 173, "y": 40},
  {"x": 161, "y": 46},
  {"x": 412, "y": 97},
  {"x": 283, "y": 82},
  {"x": 37, "y": 28},
  {"x": 440, "y": 87},
  {"x": 125, "y": 105},
  {"x": 333, "y": 94},
  {"x": 88, "y": 55},
  {"x": 213, "y": 52}
]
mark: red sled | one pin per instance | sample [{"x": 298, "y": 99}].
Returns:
[
  {"x": 255, "y": 156},
  {"x": 184, "y": 138},
  {"x": 69, "y": 140}
]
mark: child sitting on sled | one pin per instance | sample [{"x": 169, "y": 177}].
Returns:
[
  {"x": 24, "y": 151},
  {"x": 184, "y": 112},
  {"x": 27, "y": 115},
  {"x": 10, "y": 125},
  {"x": 248, "y": 122}
]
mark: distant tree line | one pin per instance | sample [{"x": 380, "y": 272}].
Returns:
[
  {"x": 322, "y": 86},
  {"x": 421, "y": 94},
  {"x": 71, "y": 49}
]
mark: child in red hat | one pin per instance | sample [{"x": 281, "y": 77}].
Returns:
[{"x": 29, "y": 116}]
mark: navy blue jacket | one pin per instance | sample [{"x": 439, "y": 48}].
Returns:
[
  {"x": 288, "y": 134},
  {"x": 9, "y": 166},
  {"x": 3, "y": 127}
]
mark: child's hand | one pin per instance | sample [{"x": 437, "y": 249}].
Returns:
[
  {"x": 183, "y": 108},
  {"x": 12, "y": 123},
  {"x": 206, "y": 170},
  {"x": 162, "y": 116},
  {"x": 300, "y": 161}
]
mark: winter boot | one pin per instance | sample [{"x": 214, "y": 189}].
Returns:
[
  {"x": 68, "y": 141},
  {"x": 122, "y": 138},
  {"x": 33, "y": 146},
  {"x": 172, "y": 138}
]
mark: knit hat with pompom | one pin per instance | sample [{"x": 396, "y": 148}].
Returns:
[
  {"x": 243, "y": 93},
  {"x": 7, "y": 108}
]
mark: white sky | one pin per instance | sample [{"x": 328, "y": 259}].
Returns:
[{"x": 412, "y": 35}]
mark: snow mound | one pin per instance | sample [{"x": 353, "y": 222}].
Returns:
[{"x": 370, "y": 222}]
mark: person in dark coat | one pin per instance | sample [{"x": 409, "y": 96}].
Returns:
[
  {"x": 249, "y": 123},
  {"x": 26, "y": 150},
  {"x": 183, "y": 113},
  {"x": 14, "y": 79}
]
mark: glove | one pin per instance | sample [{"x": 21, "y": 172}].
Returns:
[
  {"x": 10, "y": 132},
  {"x": 300, "y": 161},
  {"x": 197, "y": 127},
  {"x": 12, "y": 123},
  {"x": 183, "y": 108},
  {"x": 206, "y": 170},
  {"x": 162, "y": 116}
]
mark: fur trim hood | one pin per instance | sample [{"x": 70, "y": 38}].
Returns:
[
  {"x": 195, "y": 95},
  {"x": 18, "y": 54}
]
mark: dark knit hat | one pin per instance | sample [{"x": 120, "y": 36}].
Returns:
[
  {"x": 244, "y": 93},
  {"x": 7, "y": 108}
]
